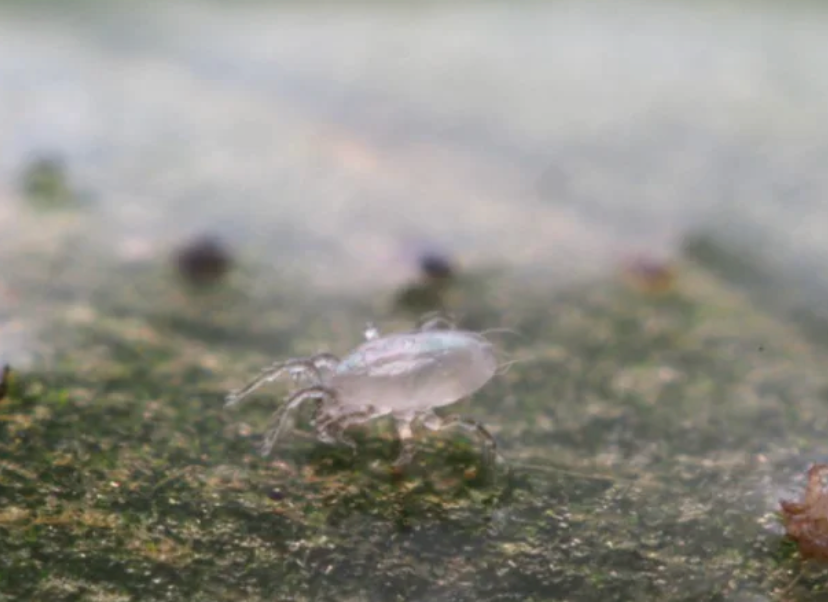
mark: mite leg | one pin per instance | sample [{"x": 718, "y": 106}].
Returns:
[
  {"x": 433, "y": 422},
  {"x": 322, "y": 362},
  {"x": 283, "y": 418},
  {"x": 298, "y": 368},
  {"x": 331, "y": 429},
  {"x": 326, "y": 361},
  {"x": 406, "y": 435}
]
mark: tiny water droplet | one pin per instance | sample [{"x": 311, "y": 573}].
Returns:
[{"x": 371, "y": 332}]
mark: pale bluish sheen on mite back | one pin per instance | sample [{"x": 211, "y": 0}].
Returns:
[{"x": 404, "y": 375}]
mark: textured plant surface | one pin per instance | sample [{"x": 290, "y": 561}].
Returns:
[{"x": 661, "y": 406}]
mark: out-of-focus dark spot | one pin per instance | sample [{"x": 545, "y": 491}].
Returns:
[
  {"x": 276, "y": 495},
  {"x": 650, "y": 275},
  {"x": 436, "y": 274},
  {"x": 45, "y": 183},
  {"x": 4, "y": 382},
  {"x": 204, "y": 260},
  {"x": 436, "y": 266}
]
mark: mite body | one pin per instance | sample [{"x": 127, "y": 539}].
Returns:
[{"x": 404, "y": 375}]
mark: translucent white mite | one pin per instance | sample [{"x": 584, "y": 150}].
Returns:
[{"x": 404, "y": 375}]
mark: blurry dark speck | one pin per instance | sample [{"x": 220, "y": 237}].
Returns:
[
  {"x": 650, "y": 275},
  {"x": 204, "y": 260},
  {"x": 45, "y": 183},
  {"x": 436, "y": 274},
  {"x": 276, "y": 495},
  {"x": 4, "y": 381},
  {"x": 436, "y": 265}
]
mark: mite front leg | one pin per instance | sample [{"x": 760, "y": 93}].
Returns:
[
  {"x": 325, "y": 361},
  {"x": 283, "y": 418},
  {"x": 300, "y": 367},
  {"x": 433, "y": 422}
]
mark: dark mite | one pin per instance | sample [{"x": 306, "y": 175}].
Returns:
[{"x": 204, "y": 260}]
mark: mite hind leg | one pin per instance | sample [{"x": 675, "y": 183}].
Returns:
[
  {"x": 405, "y": 433},
  {"x": 433, "y": 422}
]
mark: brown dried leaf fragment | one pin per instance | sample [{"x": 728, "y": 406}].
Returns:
[{"x": 806, "y": 521}]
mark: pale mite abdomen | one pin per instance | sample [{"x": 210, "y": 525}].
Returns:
[{"x": 415, "y": 372}]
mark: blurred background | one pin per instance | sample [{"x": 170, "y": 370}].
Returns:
[
  {"x": 344, "y": 137},
  {"x": 342, "y": 141},
  {"x": 189, "y": 190}
]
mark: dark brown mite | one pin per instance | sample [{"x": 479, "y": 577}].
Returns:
[
  {"x": 204, "y": 260},
  {"x": 806, "y": 521}
]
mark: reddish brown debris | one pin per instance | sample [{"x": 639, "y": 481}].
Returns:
[{"x": 806, "y": 521}]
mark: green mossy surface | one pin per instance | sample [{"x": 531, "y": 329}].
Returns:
[
  {"x": 644, "y": 436},
  {"x": 649, "y": 428}
]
